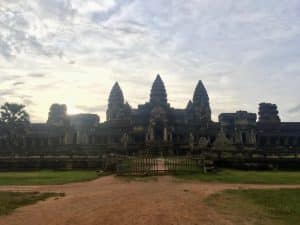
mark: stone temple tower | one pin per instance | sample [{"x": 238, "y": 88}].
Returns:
[
  {"x": 115, "y": 102},
  {"x": 158, "y": 94},
  {"x": 201, "y": 107}
]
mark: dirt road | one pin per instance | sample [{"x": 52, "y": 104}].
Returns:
[{"x": 114, "y": 201}]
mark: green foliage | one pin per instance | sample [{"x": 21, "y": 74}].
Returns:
[
  {"x": 281, "y": 206},
  {"x": 12, "y": 200},
  {"x": 12, "y": 114},
  {"x": 45, "y": 177},
  {"x": 238, "y": 176}
]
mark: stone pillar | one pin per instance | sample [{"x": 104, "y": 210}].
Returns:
[
  {"x": 238, "y": 138},
  {"x": 258, "y": 140},
  {"x": 170, "y": 137},
  {"x": 78, "y": 138},
  {"x": 268, "y": 140},
  {"x": 286, "y": 141},
  {"x": 277, "y": 142},
  {"x": 294, "y": 141},
  {"x": 253, "y": 137},
  {"x": 165, "y": 134},
  {"x": 33, "y": 143},
  {"x": 151, "y": 134},
  {"x": 49, "y": 141},
  {"x": 24, "y": 142}
]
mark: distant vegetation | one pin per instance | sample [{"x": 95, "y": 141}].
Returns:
[
  {"x": 260, "y": 207},
  {"x": 237, "y": 176},
  {"x": 46, "y": 177},
  {"x": 12, "y": 200}
]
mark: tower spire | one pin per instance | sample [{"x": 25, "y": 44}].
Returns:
[
  {"x": 158, "y": 92},
  {"x": 200, "y": 94},
  {"x": 115, "y": 102},
  {"x": 116, "y": 96},
  {"x": 189, "y": 106}
]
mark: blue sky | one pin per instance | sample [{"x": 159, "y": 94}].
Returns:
[{"x": 72, "y": 51}]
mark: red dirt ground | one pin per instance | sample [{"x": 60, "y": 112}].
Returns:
[{"x": 113, "y": 201}]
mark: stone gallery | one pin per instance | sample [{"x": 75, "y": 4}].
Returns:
[{"x": 156, "y": 127}]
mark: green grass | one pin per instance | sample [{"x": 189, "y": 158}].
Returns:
[
  {"x": 45, "y": 177},
  {"x": 281, "y": 206},
  {"x": 237, "y": 176},
  {"x": 12, "y": 200}
]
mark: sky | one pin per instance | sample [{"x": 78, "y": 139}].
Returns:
[{"x": 72, "y": 51}]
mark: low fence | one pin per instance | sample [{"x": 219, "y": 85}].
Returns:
[
  {"x": 161, "y": 166},
  {"x": 92, "y": 158}
]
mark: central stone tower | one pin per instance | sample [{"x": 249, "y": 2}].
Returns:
[{"x": 158, "y": 94}]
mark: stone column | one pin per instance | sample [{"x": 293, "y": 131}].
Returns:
[
  {"x": 286, "y": 140},
  {"x": 49, "y": 141},
  {"x": 253, "y": 137},
  {"x": 294, "y": 141},
  {"x": 151, "y": 134},
  {"x": 165, "y": 134},
  {"x": 277, "y": 142},
  {"x": 170, "y": 137},
  {"x": 24, "y": 142},
  {"x": 258, "y": 141},
  {"x": 268, "y": 140}
]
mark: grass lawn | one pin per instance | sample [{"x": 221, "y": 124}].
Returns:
[
  {"x": 12, "y": 200},
  {"x": 265, "y": 207},
  {"x": 46, "y": 177},
  {"x": 238, "y": 176}
]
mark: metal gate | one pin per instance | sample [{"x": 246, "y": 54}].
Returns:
[{"x": 157, "y": 166}]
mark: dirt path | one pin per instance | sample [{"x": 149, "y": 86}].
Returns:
[
  {"x": 114, "y": 201},
  {"x": 160, "y": 165}
]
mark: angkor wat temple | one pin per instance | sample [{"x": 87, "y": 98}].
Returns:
[{"x": 156, "y": 127}]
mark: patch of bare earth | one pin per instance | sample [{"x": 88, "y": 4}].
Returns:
[{"x": 113, "y": 201}]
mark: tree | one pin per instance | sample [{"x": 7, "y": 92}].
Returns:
[{"x": 14, "y": 120}]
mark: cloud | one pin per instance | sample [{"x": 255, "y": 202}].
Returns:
[
  {"x": 9, "y": 77},
  {"x": 28, "y": 102},
  {"x": 245, "y": 52},
  {"x": 92, "y": 109},
  {"x": 295, "y": 109},
  {"x": 7, "y": 92},
  {"x": 36, "y": 75},
  {"x": 18, "y": 83}
]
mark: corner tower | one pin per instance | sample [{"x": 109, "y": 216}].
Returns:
[
  {"x": 158, "y": 94},
  {"x": 201, "y": 105}
]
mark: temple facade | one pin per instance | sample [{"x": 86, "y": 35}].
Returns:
[{"x": 156, "y": 127}]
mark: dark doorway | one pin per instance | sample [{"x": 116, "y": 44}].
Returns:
[
  {"x": 159, "y": 131},
  {"x": 244, "y": 138}
]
